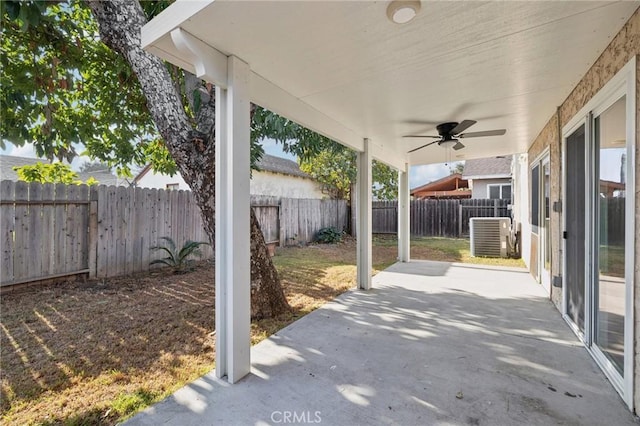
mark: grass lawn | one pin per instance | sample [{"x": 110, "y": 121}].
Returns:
[{"x": 95, "y": 353}]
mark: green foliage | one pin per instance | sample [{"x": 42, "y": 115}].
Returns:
[
  {"x": 334, "y": 166},
  {"x": 127, "y": 403},
  {"x": 385, "y": 182},
  {"x": 329, "y": 235},
  {"x": 62, "y": 87},
  {"x": 51, "y": 173},
  {"x": 177, "y": 259}
]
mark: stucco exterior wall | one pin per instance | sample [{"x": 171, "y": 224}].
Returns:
[
  {"x": 152, "y": 179},
  {"x": 624, "y": 46},
  {"x": 479, "y": 187},
  {"x": 284, "y": 186},
  {"x": 262, "y": 183}
]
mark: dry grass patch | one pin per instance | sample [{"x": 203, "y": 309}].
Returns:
[{"x": 85, "y": 353}]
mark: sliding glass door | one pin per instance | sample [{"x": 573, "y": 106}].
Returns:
[
  {"x": 610, "y": 231},
  {"x": 598, "y": 209}
]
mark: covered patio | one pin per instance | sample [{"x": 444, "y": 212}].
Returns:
[
  {"x": 351, "y": 71},
  {"x": 432, "y": 343}
]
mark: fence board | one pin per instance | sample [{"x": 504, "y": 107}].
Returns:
[
  {"x": 48, "y": 226},
  {"x": 7, "y": 224},
  {"x": 21, "y": 251},
  {"x": 36, "y": 236},
  {"x": 101, "y": 242},
  {"x": 70, "y": 261},
  {"x": 92, "y": 238}
]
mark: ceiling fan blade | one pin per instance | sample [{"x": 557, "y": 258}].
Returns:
[
  {"x": 423, "y": 146},
  {"x": 462, "y": 126},
  {"x": 422, "y": 136},
  {"x": 499, "y": 132},
  {"x": 458, "y": 146}
]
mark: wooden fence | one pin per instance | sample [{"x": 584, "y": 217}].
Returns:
[
  {"x": 436, "y": 218},
  {"x": 50, "y": 231}
]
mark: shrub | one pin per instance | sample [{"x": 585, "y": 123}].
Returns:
[
  {"x": 177, "y": 259},
  {"x": 329, "y": 235}
]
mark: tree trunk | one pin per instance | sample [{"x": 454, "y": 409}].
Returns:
[{"x": 192, "y": 145}]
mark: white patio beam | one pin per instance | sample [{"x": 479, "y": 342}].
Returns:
[
  {"x": 232, "y": 251},
  {"x": 404, "y": 201},
  {"x": 363, "y": 219}
]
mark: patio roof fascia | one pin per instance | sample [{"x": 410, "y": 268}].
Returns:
[{"x": 164, "y": 37}]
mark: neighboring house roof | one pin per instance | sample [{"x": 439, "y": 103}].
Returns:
[
  {"x": 270, "y": 163},
  {"x": 267, "y": 163},
  {"x": 487, "y": 168},
  {"x": 608, "y": 187},
  {"x": 8, "y": 162},
  {"x": 452, "y": 186}
]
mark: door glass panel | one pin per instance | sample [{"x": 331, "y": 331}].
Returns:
[
  {"x": 609, "y": 129},
  {"x": 575, "y": 227},
  {"x": 535, "y": 198},
  {"x": 546, "y": 194}
]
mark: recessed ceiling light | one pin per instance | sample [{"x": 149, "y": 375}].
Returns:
[{"x": 402, "y": 11}]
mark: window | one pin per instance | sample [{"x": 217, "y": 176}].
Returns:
[
  {"x": 173, "y": 186},
  {"x": 499, "y": 192}
]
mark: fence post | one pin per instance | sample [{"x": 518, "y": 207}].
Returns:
[
  {"x": 495, "y": 208},
  {"x": 459, "y": 218}
]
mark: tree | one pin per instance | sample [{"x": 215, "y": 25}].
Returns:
[
  {"x": 51, "y": 173},
  {"x": 75, "y": 73},
  {"x": 336, "y": 169},
  {"x": 457, "y": 167},
  {"x": 95, "y": 166}
]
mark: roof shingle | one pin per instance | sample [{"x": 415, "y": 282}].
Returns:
[{"x": 493, "y": 167}]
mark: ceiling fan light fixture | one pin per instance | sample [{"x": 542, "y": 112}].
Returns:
[
  {"x": 402, "y": 11},
  {"x": 448, "y": 143}
]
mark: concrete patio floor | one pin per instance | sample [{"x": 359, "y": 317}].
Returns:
[{"x": 433, "y": 343}]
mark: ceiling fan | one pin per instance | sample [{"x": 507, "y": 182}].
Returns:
[{"x": 449, "y": 133}]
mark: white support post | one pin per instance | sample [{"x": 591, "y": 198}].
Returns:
[
  {"x": 404, "y": 197},
  {"x": 233, "y": 280},
  {"x": 364, "y": 199}
]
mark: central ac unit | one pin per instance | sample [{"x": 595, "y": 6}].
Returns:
[{"x": 489, "y": 236}]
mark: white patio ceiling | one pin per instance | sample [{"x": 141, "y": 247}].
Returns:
[{"x": 343, "y": 69}]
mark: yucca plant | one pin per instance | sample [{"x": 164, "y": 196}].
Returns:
[{"x": 178, "y": 259}]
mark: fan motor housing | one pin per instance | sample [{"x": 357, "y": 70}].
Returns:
[{"x": 446, "y": 128}]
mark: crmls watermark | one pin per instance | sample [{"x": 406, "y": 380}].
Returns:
[{"x": 296, "y": 417}]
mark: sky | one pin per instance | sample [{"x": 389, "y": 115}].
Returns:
[{"x": 418, "y": 175}]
